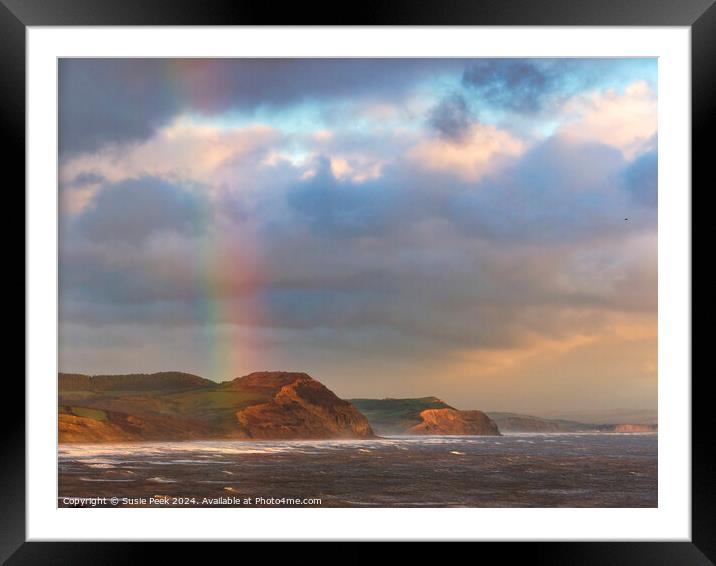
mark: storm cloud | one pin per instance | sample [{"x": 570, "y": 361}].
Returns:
[
  {"x": 103, "y": 101},
  {"x": 452, "y": 117}
]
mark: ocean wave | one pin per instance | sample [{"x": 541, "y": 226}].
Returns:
[{"x": 83, "y": 478}]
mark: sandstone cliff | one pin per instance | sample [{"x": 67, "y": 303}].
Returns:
[
  {"x": 452, "y": 421},
  {"x": 84, "y": 429},
  {"x": 301, "y": 407},
  {"x": 423, "y": 415},
  {"x": 395, "y": 416}
]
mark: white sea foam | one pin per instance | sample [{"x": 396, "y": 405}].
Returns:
[{"x": 160, "y": 479}]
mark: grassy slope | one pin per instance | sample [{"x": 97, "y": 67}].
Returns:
[{"x": 162, "y": 402}]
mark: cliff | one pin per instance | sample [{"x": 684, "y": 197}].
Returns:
[
  {"x": 452, "y": 421},
  {"x": 396, "y": 416},
  {"x": 300, "y": 407},
  {"x": 73, "y": 428},
  {"x": 176, "y": 406},
  {"x": 423, "y": 415}
]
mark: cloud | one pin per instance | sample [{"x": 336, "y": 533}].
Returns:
[
  {"x": 627, "y": 121},
  {"x": 76, "y": 192},
  {"x": 641, "y": 178},
  {"x": 482, "y": 149},
  {"x": 111, "y": 100},
  {"x": 105, "y": 101},
  {"x": 520, "y": 85},
  {"x": 336, "y": 208},
  {"x": 452, "y": 118},
  {"x": 357, "y": 168},
  {"x": 181, "y": 151},
  {"x": 423, "y": 233},
  {"x": 559, "y": 191},
  {"x": 133, "y": 210},
  {"x": 542, "y": 86}
]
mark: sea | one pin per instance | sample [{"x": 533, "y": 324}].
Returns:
[{"x": 514, "y": 470}]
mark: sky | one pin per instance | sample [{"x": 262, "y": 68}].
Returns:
[{"x": 481, "y": 230}]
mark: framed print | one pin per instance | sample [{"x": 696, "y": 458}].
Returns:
[{"x": 426, "y": 277}]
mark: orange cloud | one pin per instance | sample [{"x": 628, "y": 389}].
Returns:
[
  {"x": 627, "y": 339},
  {"x": 482, "y": 151},
  {"x": 498, "y": 360}
]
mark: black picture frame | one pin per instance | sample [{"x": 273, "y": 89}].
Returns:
[{"x": 17, "y": 15}]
